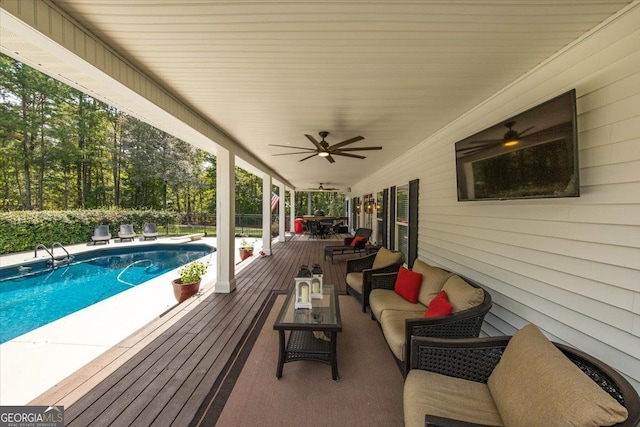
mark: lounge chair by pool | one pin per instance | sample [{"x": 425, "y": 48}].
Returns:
[
  {"x": 150, "y": 231},
  {"x": 101, "y": 234},
  {"x": 126, "y": 232}
]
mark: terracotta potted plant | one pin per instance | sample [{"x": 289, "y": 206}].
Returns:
[
  {"x": 188, "y": 284},
  {"x": 246, "y": 249}
]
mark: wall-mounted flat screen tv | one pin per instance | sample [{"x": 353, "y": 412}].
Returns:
[{"x": 531, "y": 155}]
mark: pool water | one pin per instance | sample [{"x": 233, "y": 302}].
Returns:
[{"x": 39, "y": 295}]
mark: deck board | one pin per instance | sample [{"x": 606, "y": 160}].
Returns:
[{"x": 170, "y": 379}]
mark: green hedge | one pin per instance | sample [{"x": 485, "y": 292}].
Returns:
[{"x": 23, "y": 230}]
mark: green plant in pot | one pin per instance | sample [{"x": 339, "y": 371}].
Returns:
[
  {"x": 189, "y": 282},
  {"x": 245, "y": 249}
]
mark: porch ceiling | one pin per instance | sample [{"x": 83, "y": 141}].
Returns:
[{"x": 268, "y": 72}]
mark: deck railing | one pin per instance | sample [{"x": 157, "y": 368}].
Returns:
[{"x": 245, "y": 224}]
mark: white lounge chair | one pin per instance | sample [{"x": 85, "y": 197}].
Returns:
[{"x": 101, "y": 234}]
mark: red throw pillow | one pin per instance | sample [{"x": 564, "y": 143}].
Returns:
[
  {"x": 439, "y": 306},
  {"x": 356, "y": 240},
  {"x": 408, "y": 284}
]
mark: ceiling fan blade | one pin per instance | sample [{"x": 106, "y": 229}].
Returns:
[
  {"x": 346, "y": 142},
  {"x": 485, "y": 142},
  {"x": 556, "y": 131},
  {"x": 314, "y": 142},
  {"x": 291, "y": 146},
  {"x": 340, "y": 153},
  {"x": 357, "y": 149},
  {"x": 468, "y": 151},
  {"x": 521, "y": 134},
  {"x": 330, "y": 159},
  {"x": 299, "y": 152},
  {"x": 313, "y": 155},
  {"x": 480, "y": 146}
]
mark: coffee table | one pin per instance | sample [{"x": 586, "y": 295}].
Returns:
[{"x": 301, "y": 324}]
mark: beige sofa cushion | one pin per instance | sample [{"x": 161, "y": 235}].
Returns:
[
  {"x": 393, "y": 328},
  {"x": 462, "y": 295},
  {"x": 434, "y": 394},
  {"x": 385, "y": 257},
  {"x": 385, "y": 299},
  {"x": 355, "y": 281},
  {"x": 534, "y": 384},
  {"x": 433, "y": 279}
]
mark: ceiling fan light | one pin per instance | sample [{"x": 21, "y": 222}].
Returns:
[
  {"x": 323, "y": 154},
  {"x": 511, "y": 137}
]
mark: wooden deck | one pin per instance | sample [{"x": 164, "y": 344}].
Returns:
[{"x": 169, "y": 380}]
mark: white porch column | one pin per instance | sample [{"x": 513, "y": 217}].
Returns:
[
  {"x": 281, "y": 236},
  {"x": 266, "y": 214},
  {"x": 292, "y": 209},
  {"x": 225, "y": 221}
]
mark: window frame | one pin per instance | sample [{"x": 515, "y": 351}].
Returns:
[{"x": 408, "y": 219}]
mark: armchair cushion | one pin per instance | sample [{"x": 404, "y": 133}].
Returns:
[
  {"x": 462, "y": 295},
  {"x": 394, "y": 329},
  {"x": 355, "y": 281},
  {"x": 433, "y": 279},
  {"x": 383, "y": 299},
  {"x": 531, "y": 355},
  {"x": 408, "y": 284},
  {"x": 440, "y": 306},
  {"x": 385, "y": 257},
  {"x": 448, "y": 397}
]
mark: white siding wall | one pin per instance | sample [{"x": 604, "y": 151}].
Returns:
[{"x": 572, "y": 265}]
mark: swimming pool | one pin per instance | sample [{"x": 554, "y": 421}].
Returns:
[{"x": 34, "y": 295}]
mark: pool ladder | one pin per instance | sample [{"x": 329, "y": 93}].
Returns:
[{"x": 54, "y": 261}]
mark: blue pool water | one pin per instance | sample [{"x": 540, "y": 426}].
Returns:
[{"x": 34, "y": 296}]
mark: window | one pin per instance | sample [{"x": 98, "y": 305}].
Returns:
[
  {"x": 402, "y": 219},
  {"x": 381, "y": 226},
  {"x": 355, "y": 213},
  {"x": 406, "y": 221},
  {"x": 368, "y": 210}
]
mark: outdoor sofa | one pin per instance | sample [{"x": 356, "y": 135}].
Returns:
[
  {"x": 400, "y": 318},
  {"x": 520, "y": 381}
]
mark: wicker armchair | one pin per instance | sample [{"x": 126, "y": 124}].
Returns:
[
  {"x": 364, "y": 265},
  {"x": 463, "y": 324},
  {"x": 474, "y": 360}
]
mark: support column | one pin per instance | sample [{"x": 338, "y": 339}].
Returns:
[
  {"x": 350, "y": 208},
  {"x": 309, "y": 211},
  {"x": 225, "y": 221},
  {"x": 266, "y": 214},
  {"x": 292, "y": 211},
  {"x": 281, "y": 235}
]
